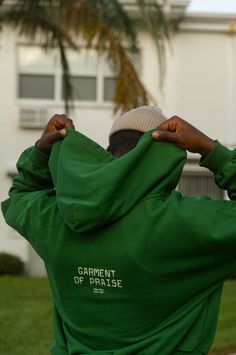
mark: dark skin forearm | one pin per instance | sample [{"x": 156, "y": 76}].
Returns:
[{"x": 186, "y": 136}]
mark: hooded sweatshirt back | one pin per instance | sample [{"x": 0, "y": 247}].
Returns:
[{"x": 134, "y": 267}]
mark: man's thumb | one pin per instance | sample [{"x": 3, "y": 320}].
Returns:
[
  {"x": 165, "y": 136},
  {"x": 57, "y": 135},
  {"x": 62, "y": 132}
]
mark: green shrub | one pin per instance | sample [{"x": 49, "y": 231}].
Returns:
[{"x": 11, "y": 265}]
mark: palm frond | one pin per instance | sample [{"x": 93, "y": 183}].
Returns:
[
  {"x": 157, "y": 24},
  {"x": 111, "y": 11},
  {"x": 116, "y": 17},
  {"x": 67, "y": 86},
  {"x": 31, "y": 23},
  {"x": 32, "y": 19},
  {"x": 98, "y": 34},
  {"x": 104, "y": 25}
]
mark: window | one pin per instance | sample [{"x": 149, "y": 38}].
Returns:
[
  {"x": 36, "y": 79},
  {"x": 40, "y": 75},
  {"x": 197, "y": 184},
  {"x": 84, "y": 88},
  {"x": 34, "y": 86},
  {"x": 109, "y": 82},
  {"x": 109, "y": 89}
]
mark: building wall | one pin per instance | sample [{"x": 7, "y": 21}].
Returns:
[
  {"x": 199, "y": 86},
  {"x": 200, "y": 81}
]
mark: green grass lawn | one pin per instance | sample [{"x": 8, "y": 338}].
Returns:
[
  {"x": 25, "y": 318},
  {"x": 225, "y": 340}
]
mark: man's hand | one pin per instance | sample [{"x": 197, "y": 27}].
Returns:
[
  {"x": 184, "y": 135},
  {"x": 54, "y": 131}
]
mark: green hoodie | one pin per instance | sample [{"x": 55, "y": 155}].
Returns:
[{"x": 134, "y": 267}]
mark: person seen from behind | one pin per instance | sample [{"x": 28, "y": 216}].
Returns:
[{"x": 134, "y": 267}]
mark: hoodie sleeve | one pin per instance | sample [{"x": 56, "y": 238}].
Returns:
[
  {"x": 31, "y": 197},
  {"x": 207, "y": 227},
  {"x": 222, "y": 162},
  {"x": 200, "y": 232},
  {"x": 216, "y": 219}
]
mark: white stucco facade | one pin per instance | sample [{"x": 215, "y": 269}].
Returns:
[{"x": 200, "y": 86}]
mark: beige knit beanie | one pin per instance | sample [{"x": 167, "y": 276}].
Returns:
[{"x": 141, "y": 119}]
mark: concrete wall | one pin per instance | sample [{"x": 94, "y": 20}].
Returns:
[{"x": 200, "y": 81}]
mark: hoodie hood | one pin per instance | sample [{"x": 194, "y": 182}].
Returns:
[{"x": 94, "y": 189}]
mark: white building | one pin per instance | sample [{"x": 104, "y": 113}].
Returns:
[{"x": 200, "y": 86}]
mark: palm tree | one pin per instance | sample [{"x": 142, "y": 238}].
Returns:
[{"x": 103, "y": 25}]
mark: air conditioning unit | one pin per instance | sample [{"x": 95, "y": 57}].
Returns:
[{"x": 33, "y": 117}]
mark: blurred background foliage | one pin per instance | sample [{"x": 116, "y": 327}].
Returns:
[{"x": 101, "y": 24}]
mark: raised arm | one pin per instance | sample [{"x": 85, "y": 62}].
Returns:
[
  {"x": 206, "y": 227},
  {"x": 214, "y": 156},
  {"x": 33, "y": 171},
  {"x": 31, "y": 197},
  {"x": 54, "y": 131},
  {"x": 185, "y": 135}
]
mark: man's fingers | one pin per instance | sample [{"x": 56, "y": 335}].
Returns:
[
  {"x": 173, "y": 124},
  {"x": 55, "y": 130},
  {"x": 61, "y": 121},
  {"x": 164, "y": 125},
  {"x": 67, "y": 121},
  {"x": 164, "y": 136},
  {"x": 52, "y": 137},
  {"x": 70, "y": 124},
  {"x": 61, "y": 133}
]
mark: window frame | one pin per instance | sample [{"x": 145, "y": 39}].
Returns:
[{"x": 58, "y": 83}]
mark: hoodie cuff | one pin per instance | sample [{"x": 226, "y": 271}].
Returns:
[
  {"x": 38, "y": 158},
  {"x": 217, "y": 158}
]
